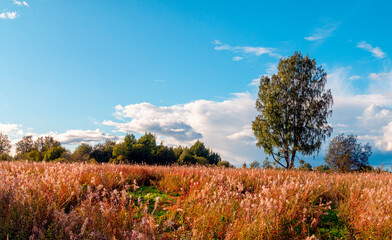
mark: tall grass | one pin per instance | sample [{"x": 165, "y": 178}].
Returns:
[{"x": 86, "y": 201}]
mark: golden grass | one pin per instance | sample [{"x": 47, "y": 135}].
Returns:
[{"x": 86, "y": 201}]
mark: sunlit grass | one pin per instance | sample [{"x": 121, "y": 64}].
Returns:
[{"x": 87, "y": 201}]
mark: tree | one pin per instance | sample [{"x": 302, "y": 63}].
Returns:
[
  {"x": 5, "y": 144},
  {"x": 54, "y": 153},
  {"x": 304, "y": 165},
  {"x": 82, "y": 153},
  {"x": 199, "y": 149},
  {"x": 254, "y": 164},
  {"x": 102, "y": 152},
  {"x": 266, "y": 164},
  {"x": 293, "y": 106},
  {"x": 164, "y": 155},
  {"x": 43, "y": 144},
  {"x": 346, "y": 154},
  {"x": 25, "y": 145}
]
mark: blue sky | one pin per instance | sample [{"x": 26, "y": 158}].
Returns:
[{"x": 85, "y": 71}]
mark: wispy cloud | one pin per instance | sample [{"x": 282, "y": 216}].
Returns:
[
  {"x": 381, "y": 76},
  {"x": 237, "y": 58},
  {"x": 323, "y": 32},
  {"x": 376, "y": 51},
  {"x": 21, "y": 3},
  {"x": 8, "y": 15},
  {"x": 245, "y": 50},
  {"x": 354, "y": 77}
]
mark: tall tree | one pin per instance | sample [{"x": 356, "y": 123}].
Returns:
[
  {"x": 293, "y": 106},
  {"x": 25, "y": 145},
  {"x": 346, "y": 154},
  {"x": 5, "y": 144}
]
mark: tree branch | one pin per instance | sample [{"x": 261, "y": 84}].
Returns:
[{"x": 273, "y": 156}]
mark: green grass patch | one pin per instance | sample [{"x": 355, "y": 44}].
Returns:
[
  {"x": 148, "y": 195},
  {"x": 332, "y": 227}
]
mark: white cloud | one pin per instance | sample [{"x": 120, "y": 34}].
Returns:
[
  {"x": 8, "y": 15},
  {"x": 376, "y": 51},
  {"x": 246, "y": 50},
  {"x": 222, "y": 125},
  {"x": 272, "y": 68},
  {"x": 387, "y": 76},
  {"x": 77, "y": 136},
  {"x": 255, "y": 82},
  {"x": 323, "y": 32},
  {"x": 367, "y": 115},
  {"x": 354, "y": 77},
  {"x": 384, "y": 142},
  {"x": 12, "y": 130},
  {"x": 237, "y": 58},
  {"x": 15, "y": 133},
  {"x": 21, "y": 3}
]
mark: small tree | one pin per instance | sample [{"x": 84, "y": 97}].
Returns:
[
  {"x": 5, "y": 144},
  {"x": 346, "y": 154},
  {"x": 266, "y": 164},
  {"x": 254, "y": 164},
  {"x": 293, "y": 106},
  {"x": 304, "y": 165}
]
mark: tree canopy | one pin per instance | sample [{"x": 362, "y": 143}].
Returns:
[
  {"x": 5, "y": 144},
  {"x": 293, "y": 108},
  {"x": 346, "y": 154}
]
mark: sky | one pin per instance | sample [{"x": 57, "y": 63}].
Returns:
[{"x": 87, "y": 71}]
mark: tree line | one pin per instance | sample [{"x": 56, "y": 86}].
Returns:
[{"x": 144, "y": 150}]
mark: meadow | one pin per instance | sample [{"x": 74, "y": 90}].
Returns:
[{"x": 107, "y": 201}]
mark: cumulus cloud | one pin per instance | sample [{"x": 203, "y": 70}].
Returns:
[
  {"x": 8, "y": 15},
  {"x": 245, "y": 50},
  {"x": 367, "y": 115},
  {"x": 384, "y": 142},
  {"x": 77, "y": 136},
  {"x": 376, "y": 51},
  {"x": 323, "y": 32},
  {"x": 15, "y": 132},
  {"x": 222, "y": 125}
]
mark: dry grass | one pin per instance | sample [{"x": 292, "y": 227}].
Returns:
[{"x": 82, "y": 201}]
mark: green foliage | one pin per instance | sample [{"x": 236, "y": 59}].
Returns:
[
  {"x": 322, "y": 168},
  {"x": 224, "y": 164},
  {"x": 53, "y": 153},
  {"x": 293, "y": 106},
  {"x": 199, "y": 149},
  {"x": 102, "y": 152},
  {"x": 43, "y": 144},
  {"x": 254, "y": 164},
  {"x": 34, "y": 155},
  {"x": 266, "y": 164},
  {"x": 186, "y": 158},
  {"x": 82, "y": 153},
  {"x": 5, "y": 157},
  {"x": 164, "y": 155},
  {"x": 346, "y": 154},
  {"x": 304, "y": 165}
]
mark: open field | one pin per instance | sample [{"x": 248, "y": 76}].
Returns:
[{"x": 82, "y": 201}]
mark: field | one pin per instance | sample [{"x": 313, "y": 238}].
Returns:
[{"x": 87, "y": 201}]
